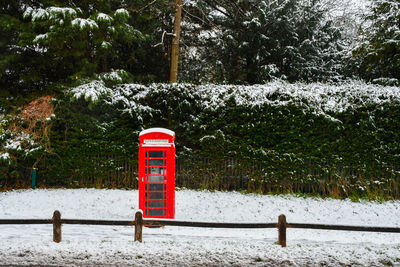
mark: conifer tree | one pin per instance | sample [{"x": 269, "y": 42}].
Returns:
[
  {"x": 255, "y": 41},
  {"x": 15, "y": 72},
  {"x": 43, "y": 43},
  {"x": 377, "y": 58},
  {"x": 82, "y": 41}
]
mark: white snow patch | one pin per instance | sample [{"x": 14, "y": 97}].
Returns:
[
  {"x": 168, "y": 246},
  {"x": 122, "y": 12},
  {"x": 63, "y": 11},
  {"x": 13, "y": 145},
  {"x": 104, "y": 17},
  {"x": 4, "y": 156},
  {"x": 84, "y": 23},
  {"x": 16, "y": 143},
  {"x": 36, "y": 14},
  {"x": 105, "y": 45},
  {"x": 113, "y": 75},
  {"x": 51, "y": 13},
  {"x": 91, "y": 91},
  {"x": 41, "y": 37}
]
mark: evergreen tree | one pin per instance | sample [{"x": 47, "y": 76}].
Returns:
[
  {"x": 16, "y": 72},
  {"x": 59, "y": 41},
  {"x": 255, "y": 41},
  {"x": 377, "y": 58}
]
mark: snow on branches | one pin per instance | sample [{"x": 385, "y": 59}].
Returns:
[{"x": 319, "y": 98}]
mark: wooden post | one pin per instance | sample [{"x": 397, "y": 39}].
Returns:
[
  {"x": 173, "y": 76},
  {"x": 282, "y": 230},
  {"x": 138, "y": 226},
  {"x": 56, "y": 226}
]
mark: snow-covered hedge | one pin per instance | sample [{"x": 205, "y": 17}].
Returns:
[
  {"x": 318, "y": 98},
  {"x": 347, "y": 134},
  {"x": 293, "y": 137}
]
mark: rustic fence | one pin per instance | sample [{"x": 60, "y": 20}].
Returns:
[{"x": 139, "y": 222}]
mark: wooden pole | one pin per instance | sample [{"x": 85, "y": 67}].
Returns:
[
  {"x": 56, "y": 226},
  {"x": 282, "y": 230},
  {"x": 173, "y": 77},
  {"x": 138, "y": 226}
]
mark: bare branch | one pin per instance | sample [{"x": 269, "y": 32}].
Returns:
[
  {"x": 217, "y": 8},
  {"x": 208, "y": 22},
  {"x": 142, "y": 8},
  {"x": 146, "y": 6},
  {"x": 237, "y": 7},
  {"x": 162, "y": 38}
]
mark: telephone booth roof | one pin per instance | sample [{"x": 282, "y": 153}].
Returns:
[
  {"x": 157, "y": 130},
  {"x": 157, "y": 137}
]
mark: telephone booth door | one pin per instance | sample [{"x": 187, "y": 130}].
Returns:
[{"x": 157, "y": 174}]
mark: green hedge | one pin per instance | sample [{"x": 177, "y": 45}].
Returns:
[{"x": 332, "y": 140}]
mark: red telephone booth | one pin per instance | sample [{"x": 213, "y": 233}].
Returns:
[{"x": 157, "y": 173}]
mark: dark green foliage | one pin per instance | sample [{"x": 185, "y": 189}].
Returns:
[
  {"x": 48, "y": 43},
  {"x": 377, "y": 58},
  {"x": 16, "y": 73},
  {"x": 292, "y": 151},
  {"x": 255, "y": 41},
  {"x": 83, "y": 135},
  {"x": 276, "y": 148}
]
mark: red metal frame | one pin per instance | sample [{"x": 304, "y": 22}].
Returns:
[{"x": 157, "y": 173}]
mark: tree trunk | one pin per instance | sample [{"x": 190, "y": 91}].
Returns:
[{"x": 175, "y": 42}]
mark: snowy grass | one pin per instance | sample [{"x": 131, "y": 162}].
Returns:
[{"x": 110, "y": 245}]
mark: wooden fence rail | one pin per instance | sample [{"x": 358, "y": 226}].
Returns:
[{"x": 139, "y": 222}]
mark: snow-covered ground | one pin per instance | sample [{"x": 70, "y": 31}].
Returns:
[{"x": 177, "y": 246}]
